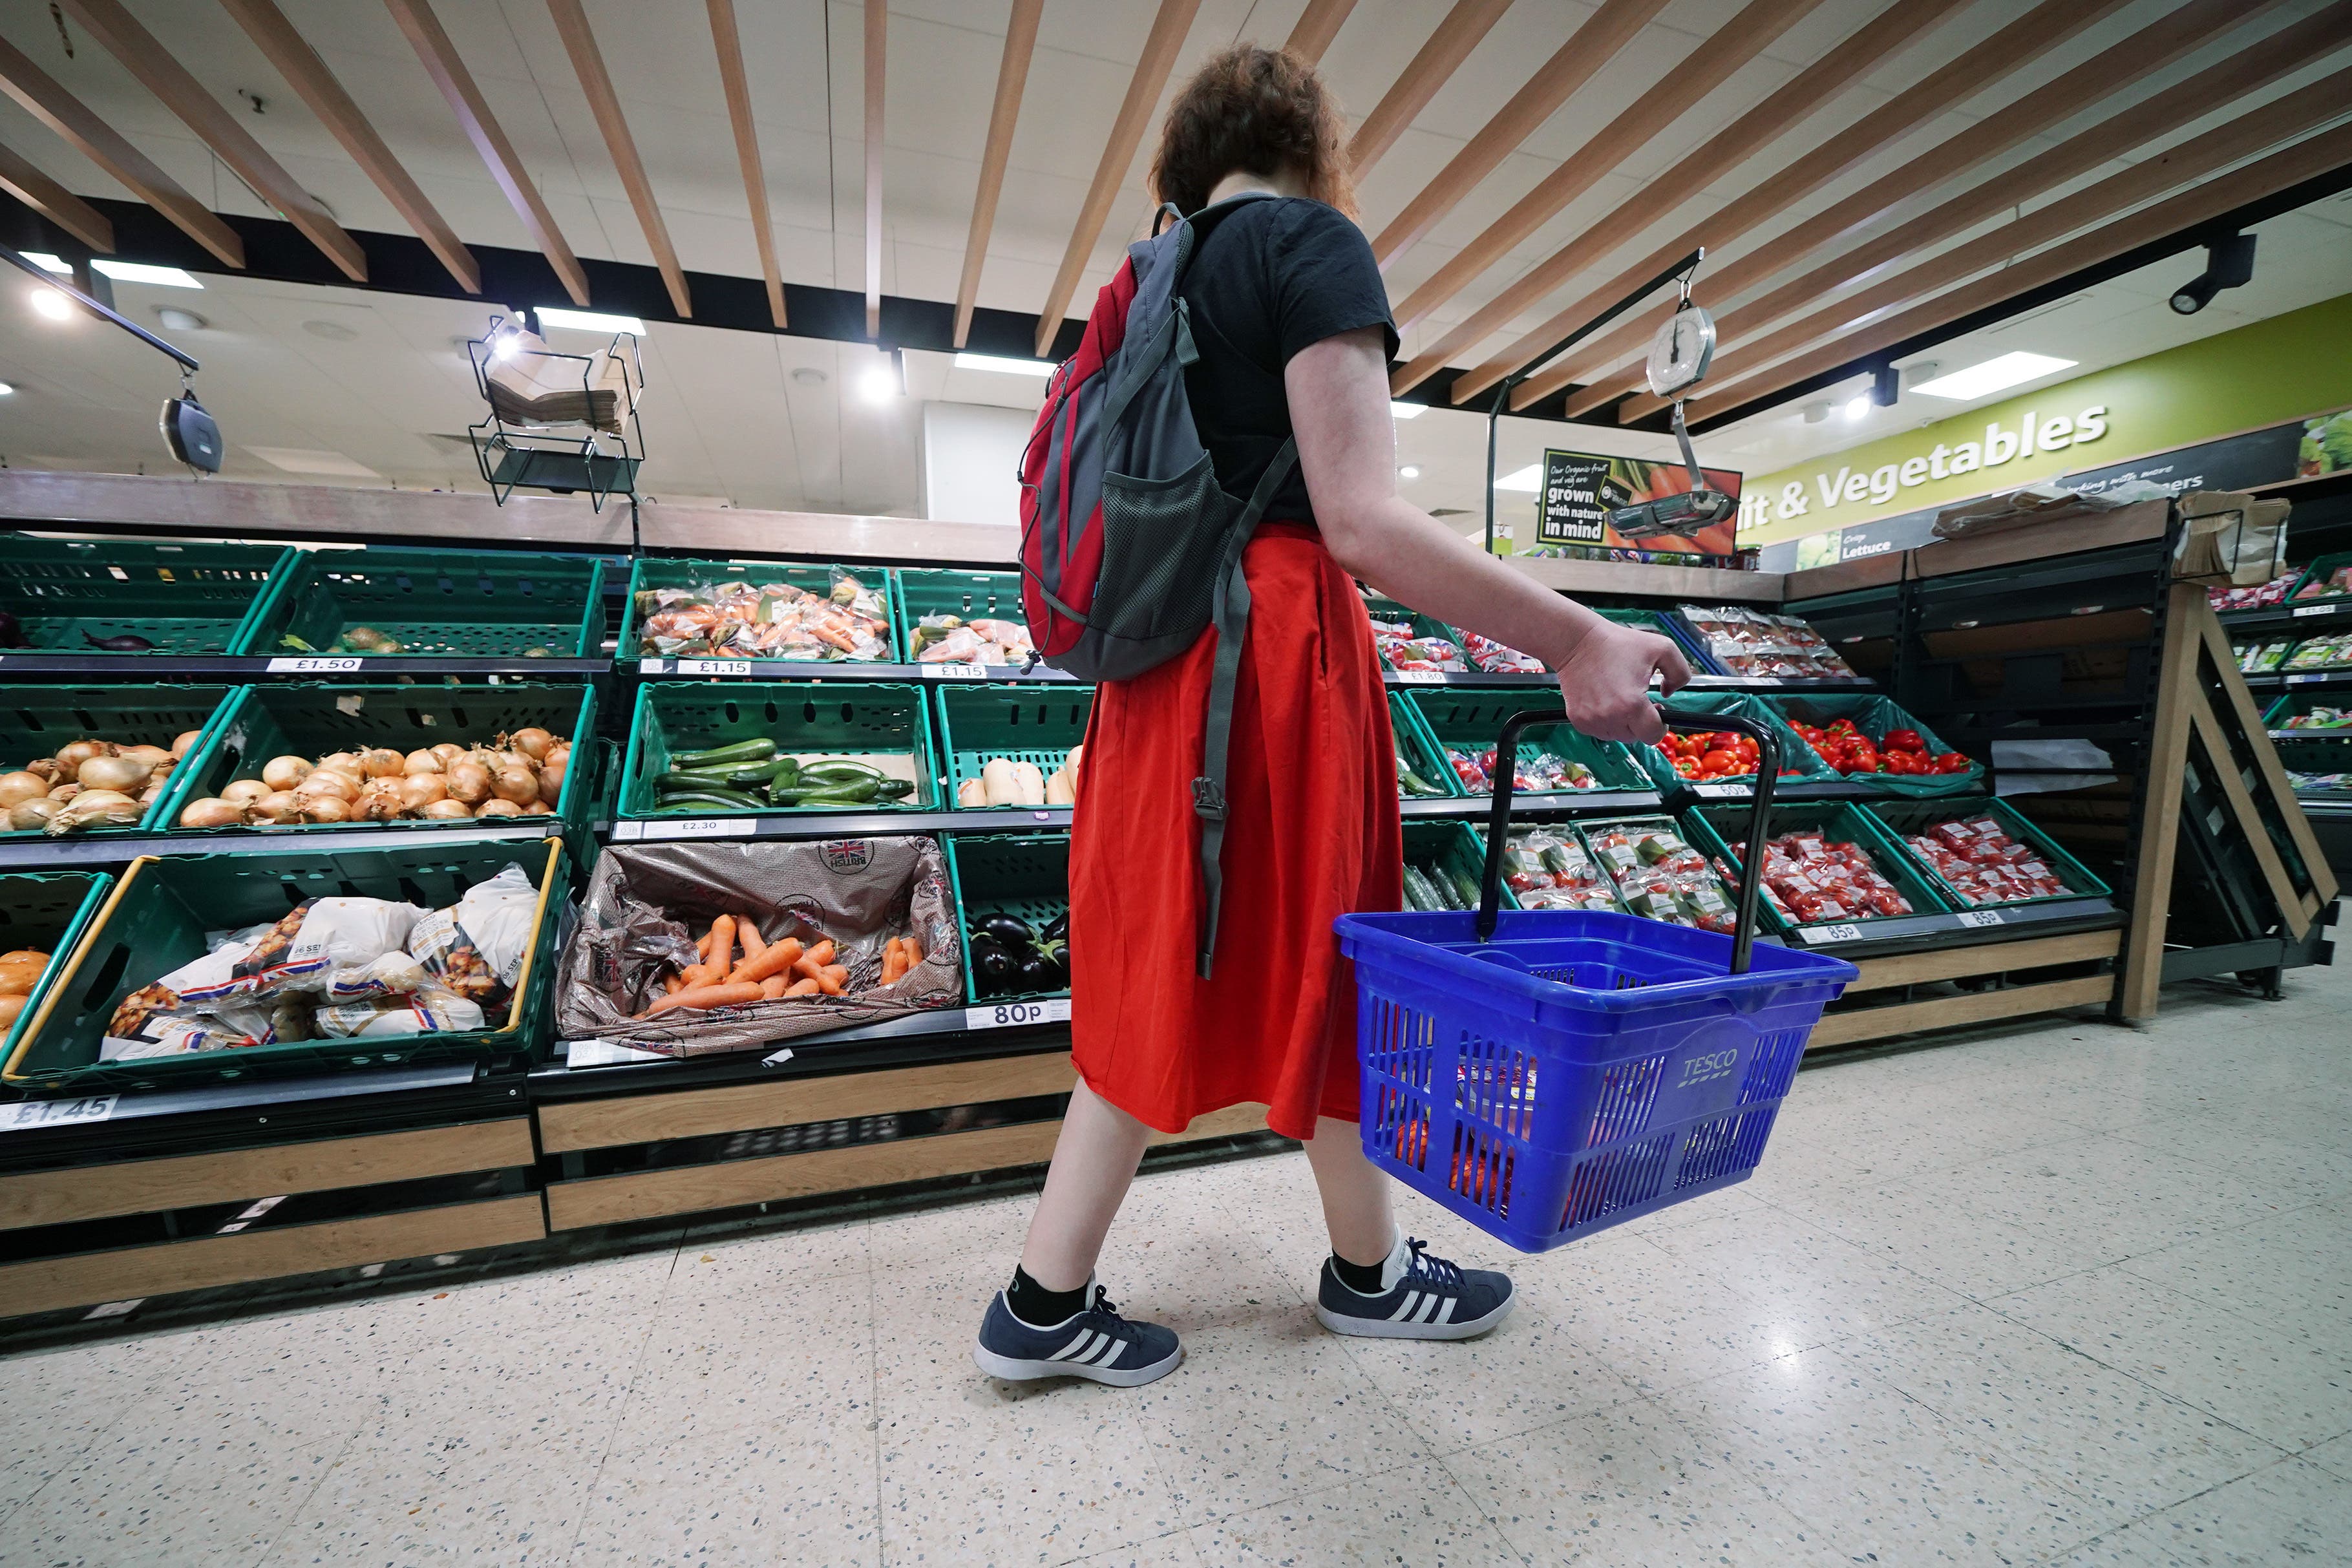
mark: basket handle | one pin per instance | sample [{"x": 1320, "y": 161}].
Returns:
[{"x": 1498, "y": 816}]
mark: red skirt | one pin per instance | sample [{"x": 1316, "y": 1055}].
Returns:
[{"x": 1312, "y": 835}]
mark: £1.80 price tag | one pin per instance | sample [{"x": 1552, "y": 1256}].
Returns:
[
  {"x": 1013, "y": 1014},
  {"x": 57, "y": 1112},
  {"x": 1422, "y": 677},
  {"x": 1816, "y": 935},
  {"x": 1978, "y": 918},
  {"x": 947, "y": 671},
  {"x": 319, "y": 664},
  {"x": 714, "y": 667}
]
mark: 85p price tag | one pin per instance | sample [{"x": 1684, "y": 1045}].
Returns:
[
  {"x": 1018, "y": 1014},
  {"x": 1978, "y": 918},
  {"x": 1721, "y": 790},
  {"x": 1817, "y": 935}
]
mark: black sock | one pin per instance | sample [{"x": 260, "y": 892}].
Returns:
[
  {"x": 1040, "y": 1308},
  {"x": 1364, "y": 1278}
]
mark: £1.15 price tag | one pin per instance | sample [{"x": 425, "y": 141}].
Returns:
[
  {"x": 1978, "y": 918},
  {"x": 314, "y": 664},
  {"x": 57, "y": 1112},
  {"x": 947, "y": 671},
  {"x": 1816, "y": 935},
  {"x": 714, "y": 667},
  {"x": 1014, "y": 1015}
]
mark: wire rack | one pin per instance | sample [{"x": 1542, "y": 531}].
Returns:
[{"x": 564, "y": 456}]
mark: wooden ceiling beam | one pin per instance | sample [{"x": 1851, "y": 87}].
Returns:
[
  {"x": 877, "y": 48},
  {"x": 304, "y": 71},
  {"x": 2146, "y": 119},
  {"x": 1160, "y": 48},
  {"x": 1592, "y": 45},
  {"x": 727, "y": 42},
  {"x": 1465, "y": 25},
  {"x": 2022, "y": 41},
  {"x": 1316, "y": 27},
  {"x": 21, "y": 180},
  {"x": 62, "y": 112},
  {"x": 596, "y": 83},
  {"x": 447, "y": 69},
  {"x": 1866, "y": 322},
  {"x": 161, "y": 73},
  {"x": 1706, "y": 67},
  {"x": 1012, "y": 77},
  {"x": 1812, "y": 90}
]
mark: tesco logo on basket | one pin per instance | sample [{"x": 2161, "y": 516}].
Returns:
[{"x": 1706, "y": 1068}]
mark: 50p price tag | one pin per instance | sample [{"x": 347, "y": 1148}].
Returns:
[
  {"x": 321, "y": 664},
  {"x": 1013, "y": 1014}
]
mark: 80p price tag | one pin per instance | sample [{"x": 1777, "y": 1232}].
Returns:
[
  {"x": 1720, "y": 790},
  {"x": 1014, "y": 1015}
]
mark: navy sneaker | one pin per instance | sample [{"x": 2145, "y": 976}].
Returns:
[
  {"x": 1422, "y": 1297},
  {"x": 1097, "y": 1344}
]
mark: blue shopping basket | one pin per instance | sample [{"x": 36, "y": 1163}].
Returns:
[{"x": 1548, "y": 1073}]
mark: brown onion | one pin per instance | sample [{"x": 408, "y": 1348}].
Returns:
[
  {"x": 538, "y": 808},
  {"x": 448, "y": 811},
  {"x": 65, "y": 791},
  {"x": 421, "y": 763},
  {"x": 212, "y": 812},
  {"x": 45, "y": 767},
  {"x": 31, "y": 816},
  {"x": 326, "y": 808},
  {"x": 153, "y": 756},
  {"x": 97, "y": 807},
  {"x": 71, "y": 756},
  {"x": 497, "y": 808},
  {"x": 327, "y": 783},
  {"x": 558, "y": 755},
  {"x": 518, "y": 785},
  {"x": 448, "y": 752},
  {"x": 532, "y": 742},
  {"x": 151, "y": 794},
  {"x": 346, "y": 763},
  {"x": 382, "y": 763},
  {"x": 380, "y": 802},
  {"x": 550, "y": 783},
  {"x": 278, "y": 806},
  {"x": 243, "y": 793},
  {"x": 121, "y": 774},
  {"x": 284, "y": 772},
  {"x": 185, "y": 742},
  {"x": 18, "y": 787},
  {"x": 469, "y": 781},
  {"x": 421, "y": 790}
]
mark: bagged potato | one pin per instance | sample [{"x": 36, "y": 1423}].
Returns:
[
  {"x": 343, "y": 948},
  {"x": 428, "y": 1012},
  {"x": 475, "y": 948}
]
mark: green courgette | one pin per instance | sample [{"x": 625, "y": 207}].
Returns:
[
  {"x": 716, "y": 756},
  {"x": 739, "y": 776},
  {"x": 835, "y": 770},
  {"x": 1420, "y": 893},
  {"x": 708, "y": 799}
]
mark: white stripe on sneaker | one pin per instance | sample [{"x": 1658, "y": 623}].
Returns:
[
  {"x": 1411, "y": 1302},
  {"x": 1112, "y": 1345},
  {"x": 1079, "y": 1348},
  {"x": 1445, "y": 1313},
  {"x": 1428, "y": 1314}
]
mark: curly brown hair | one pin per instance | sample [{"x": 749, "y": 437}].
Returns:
[{"x": 1257, "y": 112}]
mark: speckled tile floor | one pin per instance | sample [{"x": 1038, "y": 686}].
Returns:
[{"x": 2070, "y": 1295}]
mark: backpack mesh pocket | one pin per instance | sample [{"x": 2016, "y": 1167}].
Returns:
[{"x": 1162, "y": 541}]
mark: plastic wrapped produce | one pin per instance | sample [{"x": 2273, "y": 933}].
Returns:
[
  {"x": 951, "y": 639},
  {"x": 1812, "y": 878},
  {"x": 1544, "y": 772},
  {"x": 2262, "y": 596},
  {"x": 1658, "y": 876},
  {"x": 1548, "y": 870},
  {"x": 2326, "y": 585},
  {"x": 1752, "y": 643},
  {"x": 772, "y": 620},
  {"x": 1980, "y": 861},
  {"x": 1400, "y": 649},
  {"x": 2260, "y": 659},
  {"x": 2321, "y": 653},
  {"x": 2320, "y": 717},
  {"x": 1496, "y": 658}
]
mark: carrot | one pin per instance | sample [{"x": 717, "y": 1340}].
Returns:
[
  {"x": 914, "y": 952},
  {"x": 815, "y": 958},
  {"x": 773, "y": 986},
  {"x": 674, "y": 985},
  {"x": 748, "y": 935},
  {"x": 893, "y": 960},
  {"x": 775, "y": 958},
  {"x": 721, "y": 995},
  {"x": 721, "y": 956},
  {"x": 702, "y": 945},
  {"x": 802, "y": 988},
  {"x": 833, "y": 979}
]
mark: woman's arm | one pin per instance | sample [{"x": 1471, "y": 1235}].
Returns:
[{"x": 1339, "y": 392}]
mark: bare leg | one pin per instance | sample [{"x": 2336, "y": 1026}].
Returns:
[
  {"x": 1094, "y": 1161},
  {"x": 1355, "y": 1192}
]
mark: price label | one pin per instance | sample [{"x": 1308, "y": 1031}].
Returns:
[
  {"x": 1016, "y": 1014},
  {"x": 1978, "y": 918},
  {"x": 94, "y": 1107},
  {"x": 714, "y": 667},
  {"x": 2303, "y": 610},
  {"x": 2303, "y": 679},
  {"x": 1422, "y": 677},
  {"x": 1720, "y": 792},
  {"x": 653, "y": 666},
  {"x": 321, "y": 664},
  {"x": 945, "y": 671},
  {"x": 1819, "y": 934},
  {"x": 1766, "y": 680},
  {"x": 703, "y": 827}
]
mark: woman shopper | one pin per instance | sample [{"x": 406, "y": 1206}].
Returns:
[{"x": 1292, "y": 325}]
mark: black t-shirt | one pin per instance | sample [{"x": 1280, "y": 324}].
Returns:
[{"x": 1274, "y": 276}]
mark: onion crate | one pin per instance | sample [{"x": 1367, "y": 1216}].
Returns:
[
  {"x": 44, "y": 912},
  {"x": 34, "y": 720},
  {"x": 155, "y": 921},
  {"x": 398, "y": 604},
  {"x": 1875, "y": 716},
  {"x": 1035, "y": 724},
  {"x": 185, "y": 599},
  {"x": 1714, "y": 829},
  {"x": 967, "y": 596},
  {"x": 650, "y": 578},
  {"x": 1904, "y": 818},
  {"x": 1024, "y": 875},
  {"x": 311, "y": 720},
  {"x": 1467, "y": 719},
  {"x": 886, "y": 726}
]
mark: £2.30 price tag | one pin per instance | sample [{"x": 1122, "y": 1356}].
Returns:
[
  {"x": 320, "y": 664},
  {"x": 947, "y": 671},
  {"x": 57, "y": 1112},
  {"x": 714, "y": 667},
  {"x": 703, "y": 827},
  {"x": 1012, "y": 1014},
  {"x": 1978, "y": 918},
  {"x": 1820, "y": 934}
]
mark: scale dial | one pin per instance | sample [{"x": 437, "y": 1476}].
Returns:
[{"x": 1679, "y": 353}]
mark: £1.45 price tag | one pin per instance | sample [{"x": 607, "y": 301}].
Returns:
[
  {"x": 714, "y": 667},
  {"x": 1817, "y": 935},
  {"x": 1422, "y": 677},
  {"x": 1978, "y": 918},
  {"x": 703, "y": 827},
  {"x": 57, "y": 1112},
  {"x": 1016, "y": 1014},
  {"x": 944, "y": 670},
  {"x": 314, "y": 664}
]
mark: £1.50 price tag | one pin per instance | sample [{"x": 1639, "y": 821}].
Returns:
[
  {"x": 57, "y": 1112},
  {"x": 1816, "y": 935},
  {"x": 1978, "y": 918},
  {"x": 316, "y": 664},
  {"x": 714, "y": 667},
  {"x": 1013, "y": 1014},
  {"x": 944, "y": 670}
]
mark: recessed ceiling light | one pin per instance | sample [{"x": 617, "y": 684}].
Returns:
[
  {"x": 180, "y": 321},
  {"x": 1005, "y": 366},
  {"x": 1857, "y": 405},
  {"x": 1530, "y": 479},
  {"x": 876, "y": 384},
  {"x": 6, "y": 390},
  {"x": 1408, "y": 472},
  {"x": 589, "y": 321},
  {"x": 1993, "y": 375},
  {"x": 49, "y": 263},
  {"x": 139, "y": 272},
  {"x": 336, "y": 332},
  {"x": 1407, "y": 410},
  {"x": 52, "y": 304}
]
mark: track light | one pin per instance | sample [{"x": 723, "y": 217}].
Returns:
[{"x": 2228, "y": 264}]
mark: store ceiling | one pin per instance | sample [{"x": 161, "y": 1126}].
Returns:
[{"x": 739, "y": 417}]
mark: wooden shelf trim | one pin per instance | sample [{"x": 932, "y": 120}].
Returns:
[
  {"x": 1986, "y": 958},
  {"x": 147, "y": 1186},
  {"x": 1953, "y": 1012},
  {"x": 50, "y": 1284}
]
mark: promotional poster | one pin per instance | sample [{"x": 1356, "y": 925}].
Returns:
[{"x": 1581, "y": 489}]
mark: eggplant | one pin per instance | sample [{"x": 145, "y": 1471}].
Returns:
[
  {"x": 1057, "y": 929},
  {"x": 126, "y": 643},
  {"x": 1035, "y": 973},
  {"x": 994, "y": 967},
  {"x": 1056, "y": 955},
  {"x": 1010, "y": 930}
]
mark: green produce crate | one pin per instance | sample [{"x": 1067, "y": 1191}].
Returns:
[
  {"x": 834, "y": 718},
  {"x": 183, "y": 598},
  {"x": 1455, "y": 849},
  {"x": 650, "y": 573},
  {"x": 1471, "y": 718},
  {"x": 1670, "y": 627},
  {"x": 156, "y": 921},
  {"x": 34, "y": 720},
  {"x": 1423, "y": 627},
  {"x": 45, "y": 912},
  {"x": 1028, "y": 724},
  {"x": 1699, "y": 706},
  {"x": 2318, "y": 571},
  {"x": 2327, "y": 750},
  {"x": 1419, "y": 749},
  {"x": 1026, "y": 874},
  {"x": 435, "y": 604},
  {"x": 1873, "y": 716},
  {"x": 314, "y": 720},
  {"x": 917, "y": 592},
  {"x": 1715, "y": 829},
  {"x": 1907, "y": 816}
]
